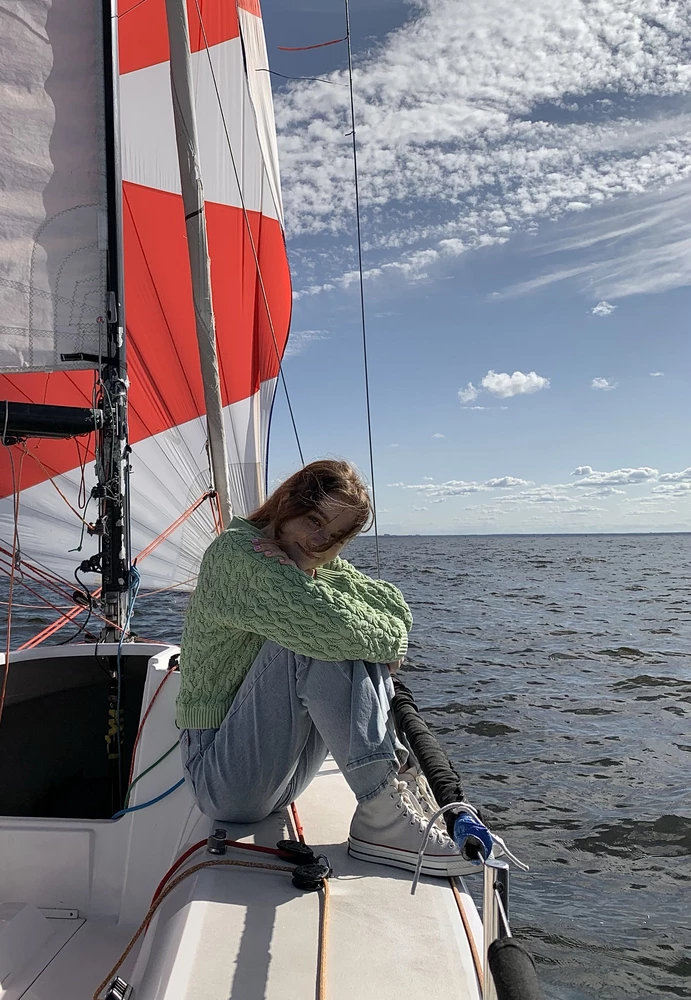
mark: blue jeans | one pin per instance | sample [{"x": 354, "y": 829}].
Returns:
[{"x": 288, "y": 713}]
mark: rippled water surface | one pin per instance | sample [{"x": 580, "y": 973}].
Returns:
[{"x": 556, "y": 671}]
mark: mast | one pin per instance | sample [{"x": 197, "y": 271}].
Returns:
[
  {"x": 112, "y": 461},
  {"x": 195, "y": 222}
]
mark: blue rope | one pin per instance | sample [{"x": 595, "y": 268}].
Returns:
[{"x": 151, "y": 802}]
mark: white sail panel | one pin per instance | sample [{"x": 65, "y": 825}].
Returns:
[
  {"x": 172, "y": 467},
  {"x": 53, "y": 224},
  {"x": 259, "y": 86},
  {"x": 149, "y": 153}
]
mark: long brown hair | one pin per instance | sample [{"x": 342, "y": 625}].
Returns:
[{"x": 305, "y": 490}]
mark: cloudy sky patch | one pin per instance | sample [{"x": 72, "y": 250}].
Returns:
[{"x": 525, "y": 183}]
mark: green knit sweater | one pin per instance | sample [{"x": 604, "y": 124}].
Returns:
[{"x": 244, "y": 598}]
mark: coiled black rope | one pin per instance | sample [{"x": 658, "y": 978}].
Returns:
[{"x": 443, "y": 778}]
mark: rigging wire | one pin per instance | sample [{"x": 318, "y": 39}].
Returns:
[
  {"x": 250, "y": 235},
  {"x": 50, "y": 581},
  {"x": 16, "y": 556},
  {"x": 362, "y": 284},
  {"x": 310, "y": 79}
]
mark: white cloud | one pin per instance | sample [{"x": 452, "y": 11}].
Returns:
[
  {"x": 542, "y": 494},
  {"x": 656, "y": 374},
  {"x": 603, "y": 309},
  {"x": 299, "y": 340},
  {"x": 438, "y": 435},
  {"x": 394, "y": 446},
  {"x": 428, "y": 479},
  {"x": 582, "y": 470},
  {"x": 451, "y": 488},
  {"x": 459, "y": 487},
  {"x": 676, "y": 477},
  {"x": 418, "y": 508},
  {"x": 468, "y": 394},
  {"x": 506, "y": 483},
  {"x": 638, "y": 244},
  {"x": 474, "y": 407},
  {"x": 601, "y": 491},
  {"x": 504, "y": 385},
  {"x": 490, "y": 111},
  {"x": 620, "y": 477},
  {"x": 650, "y": 501},
  {"x": 603, "y": 383},
  {"x": 670, "y": 488}
]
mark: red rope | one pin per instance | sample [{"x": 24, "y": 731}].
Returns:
[
  {"x": 298, "y": 825},
  {"x": 202, "y": 843},
  {"x": 65, "y": 618},
  {"x": 48, "y": 579},
  {"x": 176, "y": 524}
]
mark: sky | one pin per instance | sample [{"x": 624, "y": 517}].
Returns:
[{"x": 525, "y": 183}]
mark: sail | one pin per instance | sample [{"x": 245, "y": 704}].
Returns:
[
  {"x": 251, "y": 296},
  {"x": 53, "y": 226}
]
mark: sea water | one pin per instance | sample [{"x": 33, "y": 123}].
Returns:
[{"x": 556, "y": 672}]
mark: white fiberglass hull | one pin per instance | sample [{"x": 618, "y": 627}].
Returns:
[{"x": 224, "y": 932}]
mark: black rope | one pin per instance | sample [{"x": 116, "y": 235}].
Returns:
[
  {"x": 362, "y": 287},
  {"x": 442, "y": 776}
]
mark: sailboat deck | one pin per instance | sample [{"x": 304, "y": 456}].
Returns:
[{"x": 229, "y": 933}]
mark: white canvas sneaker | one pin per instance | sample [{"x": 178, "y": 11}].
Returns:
[
  {"x": 388, "y": 830},
  {"x": 419, "y": 786}
]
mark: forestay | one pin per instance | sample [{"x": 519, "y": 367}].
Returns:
[{"x": 250, "y": 285}]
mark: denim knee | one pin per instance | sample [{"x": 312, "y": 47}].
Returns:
[{"x": 222, "y": 807}]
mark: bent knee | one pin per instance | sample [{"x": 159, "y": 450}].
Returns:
[{"x": 227, "y": 810}]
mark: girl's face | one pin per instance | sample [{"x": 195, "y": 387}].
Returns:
[{"x": 303, "y": 538}]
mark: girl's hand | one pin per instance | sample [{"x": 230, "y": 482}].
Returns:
[
  {"x": 272, "y": 551},
  {"x": 393, "y": 667}
]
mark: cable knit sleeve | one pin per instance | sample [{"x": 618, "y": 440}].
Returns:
[
  {"x": 379, "y": 594},
  {"x": 249, "y": 591}
]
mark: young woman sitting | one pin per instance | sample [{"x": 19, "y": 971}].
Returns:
[{"x": 287, "y": 654}]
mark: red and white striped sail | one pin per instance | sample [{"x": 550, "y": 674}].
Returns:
[{"x": 251, "y": 297}]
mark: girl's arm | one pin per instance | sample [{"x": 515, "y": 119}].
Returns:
[
  {"x": 262, "y": 595},
  {"x": 379, "y": 594}
]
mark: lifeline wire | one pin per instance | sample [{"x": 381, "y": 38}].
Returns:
[{"x": 362, "y": 286}]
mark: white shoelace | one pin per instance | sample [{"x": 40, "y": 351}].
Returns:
[{"x": 412, "y": 808}]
